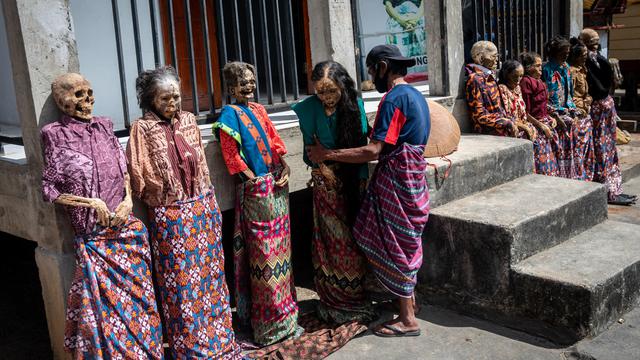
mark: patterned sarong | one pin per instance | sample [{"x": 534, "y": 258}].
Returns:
[
  {"x": 583, "y": 148},
  {"x": 265, "y": 293},
  {"x": 338, "y": 263},
  {"x": 393, "y": 215},
  {"x": 563, "y": 148},
  {"x": 544, "y": 157},
  {"x": 607, "y": 171},
  {"x": 189, "y": 262},
  {"x": 111, "y": 309}
]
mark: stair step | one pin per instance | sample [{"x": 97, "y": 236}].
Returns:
[
  {"x": 508, "y": 159},
  {"x": 471, "y": 243},
  {"x": 585, "y": 283}
]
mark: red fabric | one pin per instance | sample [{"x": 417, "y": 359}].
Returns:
[
  {"x": 277, "y": 145},
  {"x": 231, "y": 154},
  {"x": 397, "y": 122},
  {"x": 534, "y": 94},
  {"x": 182, "y": 156}
]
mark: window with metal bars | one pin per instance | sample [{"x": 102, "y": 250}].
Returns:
[{"x": 513, "y": 25}]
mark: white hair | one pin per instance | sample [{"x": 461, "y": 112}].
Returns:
[{"x": 480, "y": 48}]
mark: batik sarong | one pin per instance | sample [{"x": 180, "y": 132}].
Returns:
[
  {"x": 392, "y": 218},
  {"x": 544, "y": 155},
  {"x": 339, "y": 265},
  {"x": 607, "y": 171},
  {"x": 583, "y": 148},
  {"x": 189, "y": 263},
  {"x": 563, "y": 148},
  {"x": 111, "y": 309},
  {"x": 265, "y": 293}
]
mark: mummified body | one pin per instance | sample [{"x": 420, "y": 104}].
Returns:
[
  {"x": 111, "y": 309},
  {"x": 253, "y": 151}
]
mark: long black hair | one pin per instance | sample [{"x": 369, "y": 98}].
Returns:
[
  {"x": 348, "y": 130},
  {"x": 577, "y": 47},
  {"x": 147, "y": 85}
]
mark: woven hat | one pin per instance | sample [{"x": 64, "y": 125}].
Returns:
[{"x": 445, "y": 132}]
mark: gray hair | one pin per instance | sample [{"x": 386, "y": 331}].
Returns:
[{"x": 480, "y": 48}]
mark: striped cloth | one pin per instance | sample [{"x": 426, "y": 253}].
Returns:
[{"x": 393, "y": 215}]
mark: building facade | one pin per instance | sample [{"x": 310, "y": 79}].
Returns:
[{"x": 110, "y": 41}]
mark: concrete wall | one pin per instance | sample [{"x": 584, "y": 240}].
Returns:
[
  {"x": 8, "y": 108},
  {"x": 445, "y": 49},
  {"x": 331, "y": 33},
  {"x": 96, "y": 41}
]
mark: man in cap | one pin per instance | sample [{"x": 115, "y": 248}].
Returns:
[{"x": 396, "y": 206}]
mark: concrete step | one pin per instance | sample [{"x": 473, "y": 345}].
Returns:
[
  {"x": 471, "y": 243},
  {"x": 481, "y": 162},
  {"x": 585, "y": 283}
]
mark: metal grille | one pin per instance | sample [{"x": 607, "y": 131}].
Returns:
[
  {"x": 514, "y": 26},
  {"x": 198, "y": 37}
]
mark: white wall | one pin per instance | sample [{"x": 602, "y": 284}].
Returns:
[
  {"x": 95, "y": 36},
  {"x": 8, "y": 107}
]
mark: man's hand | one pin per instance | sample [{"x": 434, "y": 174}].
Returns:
[
  {"x": 317, "y": 153},
  {"x": 122, "y": 212}
]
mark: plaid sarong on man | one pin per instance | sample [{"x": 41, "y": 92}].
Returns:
[{"x": 392, "y": 218}]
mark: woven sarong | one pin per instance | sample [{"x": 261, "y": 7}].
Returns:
[
  {"x": 393, "y": 215},
  {"x": 607, "y": 171},
  {"x": 583, "y": 148},
  {"x": 189, "y": 262},
  {"x": 339, "y": 266},
  {"x": 265, "y": 293},
  {"x": 111, "y": 309},
  {"x": 318, "y": 341}
]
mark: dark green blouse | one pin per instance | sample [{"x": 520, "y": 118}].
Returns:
[{"x": 314, "y": 121}]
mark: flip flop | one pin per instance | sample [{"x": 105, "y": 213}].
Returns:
[{"x": 396, "y": 332}]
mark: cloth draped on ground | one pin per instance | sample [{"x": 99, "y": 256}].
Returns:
[
  {"x": 392, "y": 218},
  {"x": 514, "y": 105},
  {"x": 339, "y": 265},
  {"x": 534, "y": 95},
  {"x": 318, "y": 341},
  {"x": 265, "y": 292},
  {"x": 111, "y": 308},
  {"x": 607, "y": 170},
  {"x": 189, "y": 263}
]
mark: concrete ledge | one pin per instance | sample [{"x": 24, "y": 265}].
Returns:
[
  {"x": 481, "y": 162},
  {"x": 470, "y": 244},
  {"x": 585, "y": 283}
]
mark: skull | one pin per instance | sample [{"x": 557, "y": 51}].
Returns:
[{"x": 73, "y": 95}]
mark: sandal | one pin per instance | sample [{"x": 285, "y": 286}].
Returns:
[
  {"x": 396, "y": 332},
  {"x": 622, "y": 200}
]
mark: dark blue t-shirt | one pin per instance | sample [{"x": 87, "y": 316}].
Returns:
[{"x": 403, "y": 117}]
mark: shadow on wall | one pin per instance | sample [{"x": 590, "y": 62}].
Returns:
[{"x": 23, "y": 324}]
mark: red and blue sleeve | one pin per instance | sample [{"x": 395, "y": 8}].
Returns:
[{"x": 388, "y": 124}]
